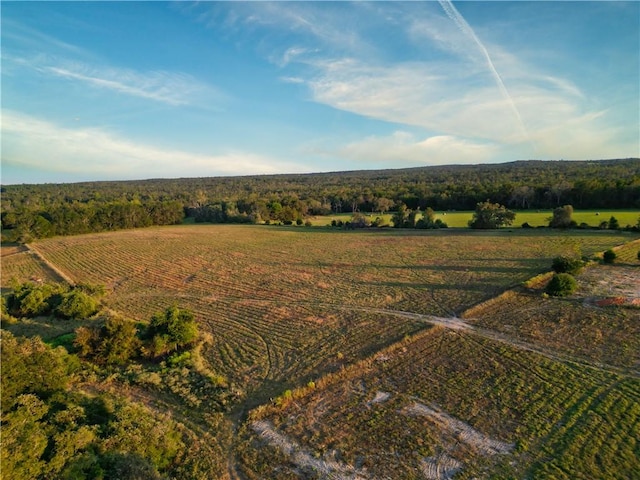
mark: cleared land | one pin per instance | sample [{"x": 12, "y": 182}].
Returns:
[{"x": 400, "y": 386}]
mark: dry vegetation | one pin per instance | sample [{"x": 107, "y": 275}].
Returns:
[{"x": 338, "y": 326}]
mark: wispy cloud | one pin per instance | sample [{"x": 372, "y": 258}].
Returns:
[
  {"x": 35, "y": 143},
  {"x": 403, "y": 148},
  {"x": 170, "y": 88},
  {"x": 461, "y": 93}
]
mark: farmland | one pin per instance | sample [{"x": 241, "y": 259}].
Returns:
[{"x": 368, "y": 352}]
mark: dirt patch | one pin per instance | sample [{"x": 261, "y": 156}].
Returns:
[
  {"x": 380, "y": 397},
  {"x": 465, "y": 433},
  {"x": 303, "y": 459},
  {"x": 442, "y": 467},
  {"x": 606, "y": 285}
]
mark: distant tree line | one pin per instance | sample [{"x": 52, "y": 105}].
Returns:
[
  {"x": 75, "y": 218},
  {"x": 36, "y": 211}
]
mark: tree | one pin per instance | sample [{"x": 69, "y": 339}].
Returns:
[
  {"x": 382, "y": 204},
  {"x": 613, "y": 223},
  {"x": 77, "y": 304},
  {"x": 112, "y": 344},
  {"x": 399, "y": 218},
  {"x": 564, "y": 264},
  {"x": 562, "y": 217},
  {"x": 172, "y": 329},
  {"x": 561, "y": 285},
  {"x": 522, "y": 196},
  {"x": 358, "y": 220},
  {"x": 491, "y": 215},
  {"x": 609, "y": 256}
]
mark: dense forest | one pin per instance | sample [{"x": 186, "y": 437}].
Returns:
[{"x": 36, "y": 211}]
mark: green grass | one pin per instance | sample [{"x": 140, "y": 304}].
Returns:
[{"x": 535, "y": 218}]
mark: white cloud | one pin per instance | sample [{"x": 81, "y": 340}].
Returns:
[
  {"x": 403, "y": 148},
  {"x": 171, "y": 88},
  {"x": 37, "y": 144}
]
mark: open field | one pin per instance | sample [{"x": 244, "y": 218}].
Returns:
[
  {"x": 535, "y": 218},
  {"x": 392, "y": 354}
]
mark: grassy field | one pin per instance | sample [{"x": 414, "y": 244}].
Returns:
[
  {"x": 356, "y": 334},
  {"x": 535, "y": 218}
]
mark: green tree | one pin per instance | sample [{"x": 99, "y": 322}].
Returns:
[
  {"x": 24, "y": 438},
  {"x": 112, "y": 344},
  {"x": 31, "y": 300},
  {"x": 491, "y": 215},
  {"x": 613, "y": 223},
  {"x": 77, "y": 304},
  {"x": 563, "y": 264},
  {"x": 562, "y": 217},
  {"x": 400, "y": 216},
  {"x": 561, "y": 285},
  {"x": 172, "y": 329},
  {"x": 30, "y": 366},
  {"x": 358, "y": 220},
  {"x": 609, "y": 256}
]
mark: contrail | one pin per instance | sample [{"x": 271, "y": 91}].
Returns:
[{"x": 465, "y": 28}]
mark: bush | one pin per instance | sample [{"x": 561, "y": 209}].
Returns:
[
  {"x": 609, "y": 256},
  {"x": 564, "y": 264},
  {"x": 561, "y": 285},
  {"x": 77, "y": 304}
]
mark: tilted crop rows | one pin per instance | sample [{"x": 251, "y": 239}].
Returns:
[
  {"x": 446, "y": 394},
  {"x": 20, "y": 264}
]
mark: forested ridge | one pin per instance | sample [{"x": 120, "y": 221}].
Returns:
[{"x": 35, "y": 211}]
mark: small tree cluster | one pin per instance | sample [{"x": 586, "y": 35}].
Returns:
[
  {"x": 406, "y": 218},
  {"x": 119, "y": 340},
  {"x": 491, "y": 215},
  {"x": 114, "y": 343},
  {"x": 32, "y": 300}
]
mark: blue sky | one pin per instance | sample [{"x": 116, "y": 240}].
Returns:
[{"x": 133, "y": 90}]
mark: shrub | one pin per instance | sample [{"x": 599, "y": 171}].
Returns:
[
  {"x": 609, "y": 256},
  {"x": 564, "y": 264},
  {"x": 77, "y": 304},
  {"x": 561, "y": 285},
  {"x": 638, "y": 254}
]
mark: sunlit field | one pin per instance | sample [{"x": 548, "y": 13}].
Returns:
[
  {"x": 381, "y": 353},
  {"x": 535, "y": 218}
]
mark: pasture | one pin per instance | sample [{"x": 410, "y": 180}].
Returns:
[
  {"x": 535, "y": 218},
  {"x": 372, "y": 352}
]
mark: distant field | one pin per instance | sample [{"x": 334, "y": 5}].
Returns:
[
  {"x": 389, "y": 353},
  {"x": 535, "y": 218}
]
